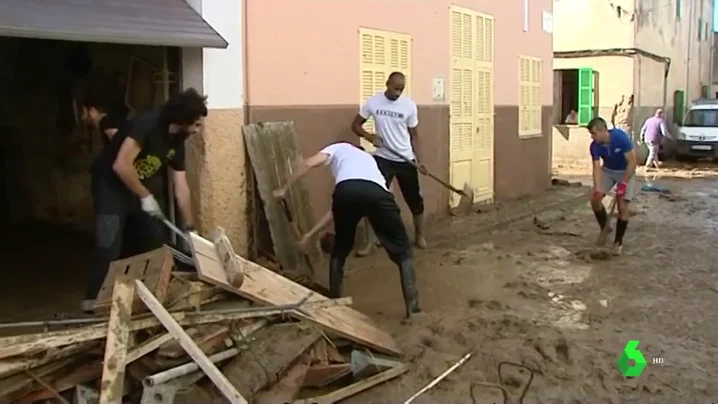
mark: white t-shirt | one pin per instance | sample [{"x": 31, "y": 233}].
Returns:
[
  {"x": 392, "y": 120},
  {"x": 347, "y": 162}
]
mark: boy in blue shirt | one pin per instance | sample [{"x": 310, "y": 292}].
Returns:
[{"x": 614, "y": 148}]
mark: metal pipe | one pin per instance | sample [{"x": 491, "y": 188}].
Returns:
[
  {"x": 187, "y": 368},
  {"x": 688, "y": 50}
]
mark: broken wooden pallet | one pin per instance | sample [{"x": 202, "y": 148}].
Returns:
[
  {"x": 266, "y": 287},
  {"x": 273, "y": 150},
  {"x": 153, "y": 268}
]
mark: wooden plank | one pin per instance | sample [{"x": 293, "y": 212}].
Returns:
[
  {"x": 274, "y": 150},
  {"x": 192, "y": 349},
  {"x": 270, "y": 352},
  {"x": 206, "y": 338},
  {"x": 21, "y": 344},
  {"x": 118, "y": 334},
  {"x": 333, "y": 354},
  {"x": 13, "y": 366},
  {"x": 78, "y": 375},
  {"x": 365, "y": 364},
  {"x": 319, "y": 352},
  {"x": 266, "y": 287},
  {"x": 148, "y": 346},
  {"x": 356, "y": 388},
  {"x": 321, "y": 375},
  {"x": 288, "y": 386},
  {"x": 153, "y": 268}
]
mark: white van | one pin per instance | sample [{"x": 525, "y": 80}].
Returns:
[{"x": 698, "y": 136}]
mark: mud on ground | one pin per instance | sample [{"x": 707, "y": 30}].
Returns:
[{"x": 529, "y": 292}]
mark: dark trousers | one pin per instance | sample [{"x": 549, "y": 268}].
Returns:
[
  {"x": 408, "y": 178},
  {"x": 120, "y": 224},
  {"x": 354, "y": 199}
]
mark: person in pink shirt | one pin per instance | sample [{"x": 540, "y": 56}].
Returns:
[{"x": 652, "y": 133}]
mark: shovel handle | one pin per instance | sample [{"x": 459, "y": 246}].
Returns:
[
  {"x": 287, "y": 212},
  {"x": 428, "y": 174}
]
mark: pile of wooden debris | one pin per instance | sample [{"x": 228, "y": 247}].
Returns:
[{"x": 170, "y": 337}]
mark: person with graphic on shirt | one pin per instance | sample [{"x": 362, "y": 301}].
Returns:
[
  {"x": 129, "y": 167},
  {"x": 395, "y": 120},
  {"x": 615, "y": 149},
  {"x": 360, "y": 191}
]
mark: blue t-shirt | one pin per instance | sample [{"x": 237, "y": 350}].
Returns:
[{"x": 613, "y": 154}]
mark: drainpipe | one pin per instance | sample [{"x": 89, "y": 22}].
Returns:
[{"x": 688, "y": 50}]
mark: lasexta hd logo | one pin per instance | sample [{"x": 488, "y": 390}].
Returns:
[{"x": 631, "y": 363}]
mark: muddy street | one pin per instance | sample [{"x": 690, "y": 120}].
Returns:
[{"x": 530, "y": 292}]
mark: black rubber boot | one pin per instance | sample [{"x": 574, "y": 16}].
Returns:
[
  {"x": 336, "y": 278},
  {"x": 407, "y": 275},
  {"x": 419, "y": 238}
]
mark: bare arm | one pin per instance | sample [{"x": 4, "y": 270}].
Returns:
[
  {"x": 357, "y": 127},
  {"x": 183, "y": 196},
  {"x": 125, "y": 169},
  {"x": 596, "y": 174},
  {"x": 323, "y": 222},
  {"x": 631, "y": 168},
  {"x": 414, "y": 133},
  {"x": 314, "y": 161}
]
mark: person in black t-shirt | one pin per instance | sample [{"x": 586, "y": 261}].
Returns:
[
  {"x": 98, "y": 112},
  {"x": 138, "y": 153}
]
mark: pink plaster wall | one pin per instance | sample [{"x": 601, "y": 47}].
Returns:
[{"x": 307, "y": 52}]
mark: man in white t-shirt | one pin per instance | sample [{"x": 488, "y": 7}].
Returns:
[
  {"x": 360, "y": 191},
  {"x": 396, "y": 120}
]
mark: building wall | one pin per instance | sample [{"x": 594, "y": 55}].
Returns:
[
  {"x": 217, "y": 161},
  {"x": 591, "y": 24},
  {"x": 659, "y": 30},
  {"x": 303, "y": 65}
]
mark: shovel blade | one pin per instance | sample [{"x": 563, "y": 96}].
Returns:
[{"x": 467, "y": 200}]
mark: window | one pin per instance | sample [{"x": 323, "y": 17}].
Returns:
[
  {"x": 705, "y": 31},
  {"x": 575, "y": 101},
  {"x": 700, "y": 29},
  {"x": 702, "y": 118},
  {"x": 381, "y": 53},
  {"x": 679, "y": 9},
  {"x": 529, "y": 96}
]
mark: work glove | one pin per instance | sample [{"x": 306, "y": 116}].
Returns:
[
  {"x": 597, "y": 194},
  {"x": 621, "y": 189},
  {"x": 151, "y": 207}
]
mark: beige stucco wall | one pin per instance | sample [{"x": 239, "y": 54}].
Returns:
[
  {"x": 659, "y": 31},
  {"x": 217, "y": 160},
  {"x": 589, "y": 24}
]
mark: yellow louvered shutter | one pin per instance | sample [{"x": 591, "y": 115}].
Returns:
[{"x": 529, "y": 96}]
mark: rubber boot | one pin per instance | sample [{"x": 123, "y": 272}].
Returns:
[
  {"x": 369, "y": 243},
  {"x": 419, "y": 238},
  {"x": 407, "y": 275},
  {"x": 336, "y": 278}
]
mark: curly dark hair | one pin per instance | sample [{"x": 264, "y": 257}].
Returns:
[{"x": 185, "y": 107}]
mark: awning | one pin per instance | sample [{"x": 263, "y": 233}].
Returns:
[{"x": 140, "y": 22}]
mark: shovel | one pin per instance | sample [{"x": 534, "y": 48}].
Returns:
[
  {"x": 467, "y": 194},
  {"x": 607, "y": 230}
]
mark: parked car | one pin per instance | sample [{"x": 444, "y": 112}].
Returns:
[{"x": 698, "y": 135}]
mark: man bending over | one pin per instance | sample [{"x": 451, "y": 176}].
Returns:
[
  {"x": 361, "y": 191},
  {"x": 614, "y": 148}
]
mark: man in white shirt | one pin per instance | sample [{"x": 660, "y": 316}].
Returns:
[
  {"x": 396, "y": 120},
  {"x": 360, "y": 191}
]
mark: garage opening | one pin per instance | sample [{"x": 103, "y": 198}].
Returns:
[{"x": 46, "y": 210}]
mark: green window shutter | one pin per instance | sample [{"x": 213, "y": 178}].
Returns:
[
  {"x": 679, "y": 106},
  {"x": 705, "y": 90},
  {"x": 585, "y": 95},
  {"x": 700, "y": 29}
]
